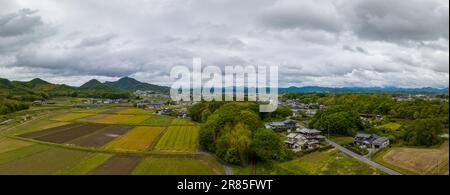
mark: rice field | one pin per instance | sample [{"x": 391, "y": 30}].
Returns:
[
  {"x": 156, "y": 120},
  {"x": 138, "y": 139},
  {"x": 179, "y": 138},
  {"x": 7, "y": 144},
  {"x": 112, "y": 119},
  {"x": 135, "y": 119},
  {"x": 135, "y": 111},
  {"x": 86, "y": 165},
  {"x": 181, "y": 122},
  {"x": 72, "y": 116},
  {"x": 173, "y": 166},
  {"x": 46, "y": 162}
]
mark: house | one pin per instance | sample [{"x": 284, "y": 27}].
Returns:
[
  {"x": 370, "y": 117},
  {"x": 165, "y": 111},
  {"x": 281, "y": 125},
  {"x": 371, "y": 141},
  {"x": 303, "y": 139}
]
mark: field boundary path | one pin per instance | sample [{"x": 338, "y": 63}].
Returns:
[
  {"x": 362, "y": 159},
  {"x": 226, "y": 168}
]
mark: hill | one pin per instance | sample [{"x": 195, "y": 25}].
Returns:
[{"x": 130, "y": 84}]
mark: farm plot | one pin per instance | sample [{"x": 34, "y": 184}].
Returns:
[
  {"x": 47, "y": 162},
  {"x": 112, "y": 119},
  {"x": 117, "y": 165},
  {"x": 179, "y": 138},
  {"x": 182, "y": 122},
  {"x": 135, "y": 119},
  {"x": 135, "y": 111},
  {"x": 7, "y": 144},
  {"x": 138, "y": 139},
  {"x": 418, "y": 160},
  {"x": 101, "y": 137},
  {"x": 71, "y": 134},
  {"x": 23, "y": 152},
  {"x": 35, "y": 125},
  {"x": 72, "y": 116},
  {"x": 50, "y": 131},
  {"x": 86, "y": 165},
  {"x": 156, "y": 120},
  {"x": 173, "y": 166}
]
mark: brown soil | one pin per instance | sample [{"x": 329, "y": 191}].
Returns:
[
  {"x": 71, "y": 134},
  {"x": 102, "y": 137},
  {"x": 49, "y": 131},
  {"x": 117, "y": 165}
]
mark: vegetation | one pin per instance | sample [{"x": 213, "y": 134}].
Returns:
[
  {"x": 10, "y": 106},
  {"x": 175, "y": 166},
  {"x": 138, "y": 139},
  {"x": 179, "y": 138},
  {"x": 234, "y": 131},
  {"x": 338, "y": 120}
]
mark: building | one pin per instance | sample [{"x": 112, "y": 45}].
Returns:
[
  {"x": 303, "y": 139},
  {"x": 371, "y": 141},
  {"x": 282, "y": 125},
  {"x": 370, "y": 117}
]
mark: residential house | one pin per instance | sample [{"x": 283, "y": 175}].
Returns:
[
  {"x": 281, "y": 125},
  {"x": 304, "y": 139},
  {"x": 371, "y": 141}
]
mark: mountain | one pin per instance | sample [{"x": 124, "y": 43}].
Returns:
[
  {"x": 130, "y": 84},
  {"x": 314, "y": 89},
  {"x": 91, "y": 84}
]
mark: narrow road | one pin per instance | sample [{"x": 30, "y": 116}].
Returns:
[{"x": 362, "y": 159}]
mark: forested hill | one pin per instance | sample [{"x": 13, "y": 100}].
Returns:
[{"x": 38, "y": 89}]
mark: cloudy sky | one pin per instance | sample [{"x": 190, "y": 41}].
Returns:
[{"x": 315, "y": 42}]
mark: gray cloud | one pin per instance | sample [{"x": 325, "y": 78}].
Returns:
[{"x": 315, "y": 42}]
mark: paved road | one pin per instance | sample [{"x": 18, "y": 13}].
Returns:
[{"x": 362, "y": 159}]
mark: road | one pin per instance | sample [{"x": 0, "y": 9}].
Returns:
[{"x": 362, "y": 159}]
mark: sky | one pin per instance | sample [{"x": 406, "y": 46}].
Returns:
[{"x": 330, "y": 43}]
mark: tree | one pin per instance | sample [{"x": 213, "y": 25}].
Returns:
[
  {"x": 267, "y": 145},
  {"x": 340, "y": 120},
  {"x": 424, "y": 132}
]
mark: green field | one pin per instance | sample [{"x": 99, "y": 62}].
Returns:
[
  {"x": 72, "y": 116},
  {"x": 390, "y": 126},
  {"x": 135, "y": 111},
  {"x": 330, "y": 162},
  {"x": 86, "y": 165},
  {"x": 174, "y": 166},
  {"x": 156, "y": 120},
  {"x": 138, "y": 139},
  {"x": 46, "y": 162},
  {"x": 179, "y": 138},
  {"x": 149, "y": 132},
  {"x": 181, "y": 122},
  {"x": 7, "y": 144}
]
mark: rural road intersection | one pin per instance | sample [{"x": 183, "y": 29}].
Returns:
[{"x": 362, "y": 159}]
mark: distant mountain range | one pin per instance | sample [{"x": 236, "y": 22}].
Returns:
[
  {"x": 314, "y": 89},
  {"x": 40, "y": 89}
]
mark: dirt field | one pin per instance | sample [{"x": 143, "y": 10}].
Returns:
[
  {"x": 71, "y": 134},
  {"x": 49, "y": 131},
  {"x": 420, "y": 161},
  {"x": 117, "y": 165},
  {"x": 102, "y": 137}
]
